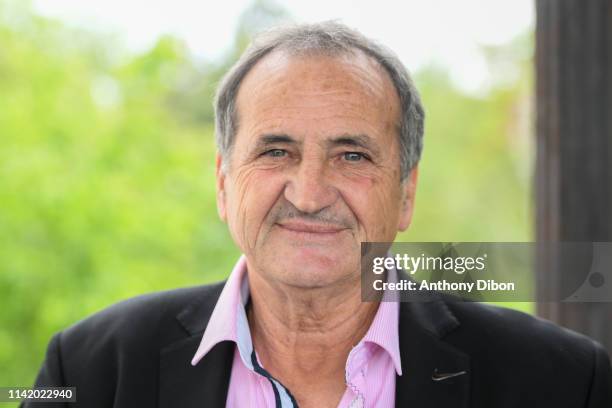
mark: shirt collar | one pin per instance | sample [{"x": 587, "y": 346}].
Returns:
[{"x": 228, "y": 321}]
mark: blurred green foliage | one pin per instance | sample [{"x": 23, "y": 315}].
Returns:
[{"x": 107, "y": 171}]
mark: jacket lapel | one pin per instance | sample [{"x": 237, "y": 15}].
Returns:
[
  {"x": 206, "y": 384},
  {"x": 434, "y": 373}
]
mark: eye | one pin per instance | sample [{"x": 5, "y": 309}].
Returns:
[
  {"x": 276, "y": 153},
  {"x": 354, "y": 156}
]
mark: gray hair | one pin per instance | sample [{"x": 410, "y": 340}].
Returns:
[{"x": 332, "y": 39}]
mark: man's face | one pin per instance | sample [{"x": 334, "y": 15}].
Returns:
[{"x": 314, "y": 169}]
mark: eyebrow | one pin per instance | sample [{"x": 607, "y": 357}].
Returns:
[
  {"x": 266, "y": 140},
  {"x": 362, "y": 140}
]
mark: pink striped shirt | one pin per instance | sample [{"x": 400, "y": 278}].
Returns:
[{"x": 370, "y": 368}]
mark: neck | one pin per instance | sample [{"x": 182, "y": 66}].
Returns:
[{"x": 303, "y": 335}]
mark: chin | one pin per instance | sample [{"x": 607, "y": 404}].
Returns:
[
  {"x": 313, "y": 279},
  {"x": 315, "y": 267}
]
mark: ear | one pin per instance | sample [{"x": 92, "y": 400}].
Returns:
[
  {"x": 220, "y": 175},
  {"x": 408, "y": 192}
]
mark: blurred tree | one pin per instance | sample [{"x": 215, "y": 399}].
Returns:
[
  {"x": 477, "y": 163},
  {"x": 103, "y": 192},
  {"x": 192, "y": 97}
]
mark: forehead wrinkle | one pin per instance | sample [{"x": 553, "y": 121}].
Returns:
[
  {"x": 302, "y": 103},
  {"x": 292, "y": 98}
]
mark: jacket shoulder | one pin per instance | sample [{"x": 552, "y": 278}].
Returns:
[
  {"x": 140, "y": 324},
  {"x": 511, "y": 330},
  {"x": 508, "y": 347},
  {"x": 115, "y": 354}
]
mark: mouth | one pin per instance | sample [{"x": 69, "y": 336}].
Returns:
[{"x": 311, "y": 229}]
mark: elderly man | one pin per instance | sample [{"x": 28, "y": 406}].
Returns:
[{"x": 319, "y": 133}]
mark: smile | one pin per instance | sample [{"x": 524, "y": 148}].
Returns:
[{"x": 310, "y": 229}]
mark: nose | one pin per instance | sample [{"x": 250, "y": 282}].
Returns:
[{"x": 309, "y": 188}]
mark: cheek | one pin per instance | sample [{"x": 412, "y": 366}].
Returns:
[
  {"x": 251, "y": 195},
  {"x": 375, "y": 201}
]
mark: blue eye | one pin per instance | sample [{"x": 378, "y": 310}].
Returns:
[
  {"x": 276, "y": 153},
  {"x": 353, "y": 156}
]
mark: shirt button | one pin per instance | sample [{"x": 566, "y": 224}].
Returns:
[{"x": 357, "y": 402}]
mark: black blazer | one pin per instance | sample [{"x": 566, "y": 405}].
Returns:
[{"x": 137, "y": 354}]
